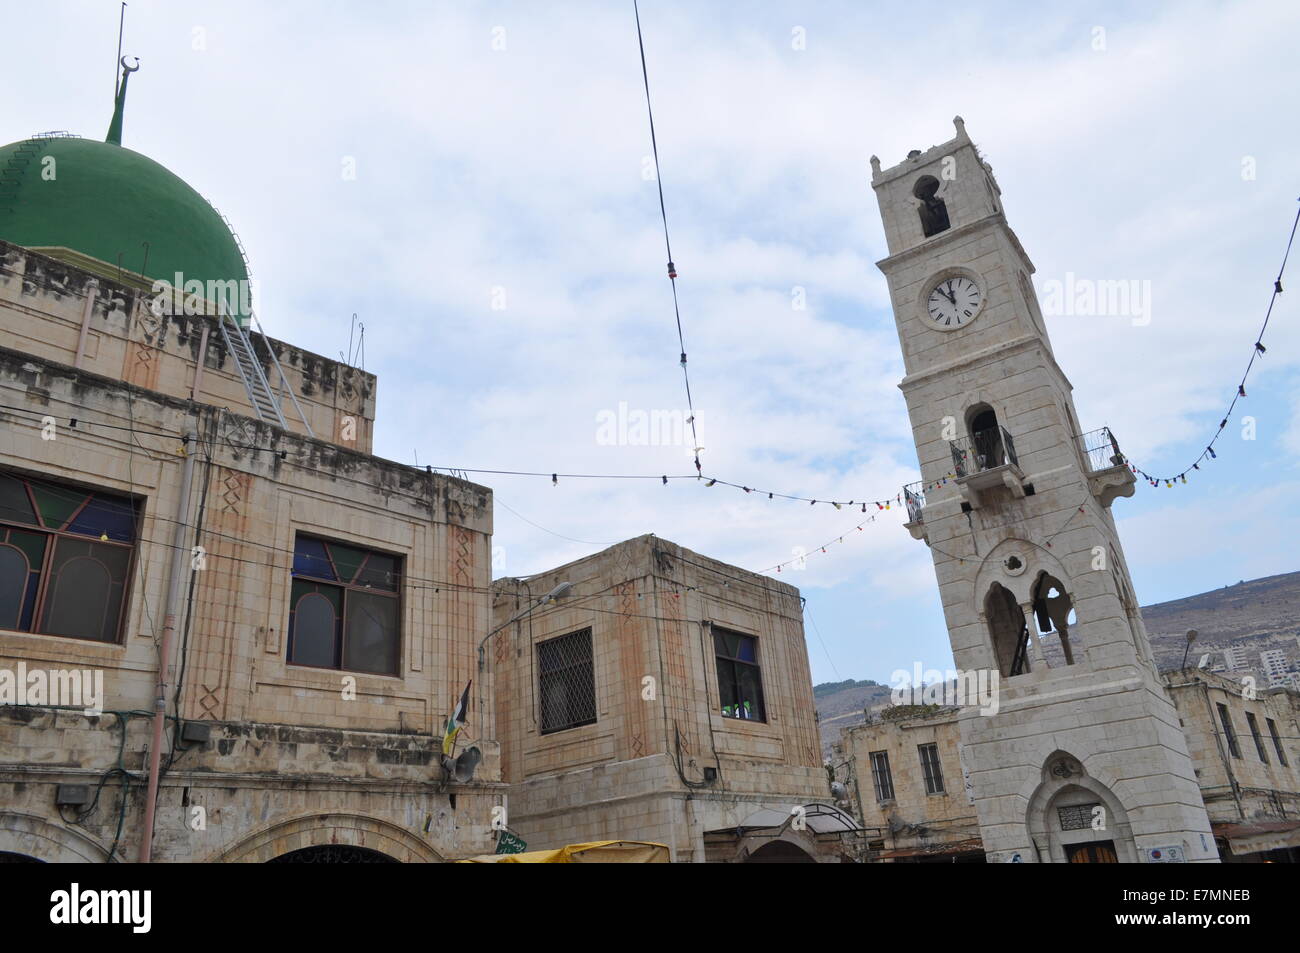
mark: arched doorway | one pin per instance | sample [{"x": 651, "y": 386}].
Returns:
[
  {"x": 365, "y": 834},
  {"x": 333, "y": 854},
  {"x": 780, "y": 852},
  {"x": 8, "y": 857},
  {"x": 1074, "y": 818}
]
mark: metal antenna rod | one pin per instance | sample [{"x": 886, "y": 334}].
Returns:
[{"x": 121, "y": 25}]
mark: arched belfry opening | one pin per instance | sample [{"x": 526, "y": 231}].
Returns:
[
  {"x": 986, "y": 436},
  {"x": 933, "y": 210},
  {"x": 1008, "y": 630},
  {"x": 1054, "y": 612}
]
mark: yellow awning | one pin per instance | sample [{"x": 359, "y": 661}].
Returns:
[{"x": 596, "y": 852}]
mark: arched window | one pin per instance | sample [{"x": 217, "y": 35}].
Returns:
[
  {"x": 986, "y": 437},
  {"x": 13, "y": 586},
  {"x": 312, "y": 632},
  {"x": 1054, "y": 612},
  {"x": 933, "y": 210},
  {"x": 80, "y": 600},
  {"x": 1008, "y": 630}
]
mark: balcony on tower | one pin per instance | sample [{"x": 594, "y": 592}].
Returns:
[
  {"x": 984, "y": 460},
  {"x": 914, "y": 499},
  {"x": 1107, "y": 469}
]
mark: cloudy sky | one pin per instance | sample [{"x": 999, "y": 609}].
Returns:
[{"x": 502, "y": 245}]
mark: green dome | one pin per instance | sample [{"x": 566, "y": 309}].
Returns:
[{"x": 102, "y": 200}]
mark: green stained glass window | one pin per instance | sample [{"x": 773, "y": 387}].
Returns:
[
  {"x": 15, "y": 505},
  {"x": 57, "y": 504}
]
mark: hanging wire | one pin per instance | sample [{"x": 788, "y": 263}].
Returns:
[
  {"x": 668, "y": 247},
  {"x": 1257, "y": 350}
]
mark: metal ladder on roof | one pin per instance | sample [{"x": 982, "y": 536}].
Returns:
[
  {"x": 240, "y": 345},
  {"x": 265, "y": 403}
]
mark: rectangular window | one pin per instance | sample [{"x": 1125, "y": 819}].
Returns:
[
  {"x": 740, "y": 680},
  {"x": 344, "y": 607},
  {"x": 880, "y": 775},
  {"x": 567, "y": 682},
  {"x": 1277, "y": 741},
  {"x": 930, "y": 768},
  {"x": 1226, "y": 720},
  {"x": 1254, "y": 733},
  {"x": 65, "y": 558}
]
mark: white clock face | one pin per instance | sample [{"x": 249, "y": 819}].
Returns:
[{"x": 954, "y": 302}]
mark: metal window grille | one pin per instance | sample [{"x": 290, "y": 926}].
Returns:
[
  {"x": 930, "y": 768},
  {"x": 1254, "y": 733},
  {"x": 1277, "y": 741},
  {"x": 567, "y": 679},
  {"x": 880, "y": 775},
  {"x": 1228, "y": 731},
  {"x": 1076, "y": 817}
]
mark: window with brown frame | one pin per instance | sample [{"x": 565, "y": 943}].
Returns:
[
  {"x": 344, "y": 607},
  {"x": 740, "y": 679},
  {"x": 65, "y": 558}
]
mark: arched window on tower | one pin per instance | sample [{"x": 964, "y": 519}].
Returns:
[
  {"x": 933, "y": 210},
  {"x": 1054, "y": 612},
  {"x": 1009, "y": 631},
  {"x": 989, "y": 442}
]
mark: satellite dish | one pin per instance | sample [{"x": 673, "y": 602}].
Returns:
[{"x": 462, "y": 771}]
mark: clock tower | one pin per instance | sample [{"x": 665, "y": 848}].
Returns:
[{"x": 1082, "y": 755}]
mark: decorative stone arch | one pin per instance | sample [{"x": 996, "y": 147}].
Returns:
[
  {"x": 33, "y": 836},
  {"x": 1018, "y": 566},
  {"x": 315, "y": 830},
  {"x": 1066, "y": 783}
]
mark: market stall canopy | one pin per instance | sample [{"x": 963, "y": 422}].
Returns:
[{"x": 596, "y": 852}]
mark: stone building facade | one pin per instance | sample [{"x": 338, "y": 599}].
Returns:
[
  {"x": 665, "y": 696},
  {"x": 905, "y": 779},
  {"x": 1245, "y": 743},
  {"x": 327, "y": 611},
  {"x": 1014, "y": 504}
]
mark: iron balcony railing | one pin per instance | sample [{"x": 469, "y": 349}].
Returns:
[
  {"x": 1101, "y": 450},
  {"x": 982, "y": 450},
  {"x": 914, "y": 498}
]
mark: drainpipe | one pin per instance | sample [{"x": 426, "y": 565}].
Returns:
[
  {"x": 92, "y": 292},
  {"x": 164, "y": 657}
]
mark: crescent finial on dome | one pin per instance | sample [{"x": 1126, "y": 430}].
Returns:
[{"x": 114, "y": 136}]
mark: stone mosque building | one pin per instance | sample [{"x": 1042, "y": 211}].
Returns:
[{"x": 283, "y": 623}]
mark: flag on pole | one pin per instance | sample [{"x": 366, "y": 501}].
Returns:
[{"x": 455, "y": 721}]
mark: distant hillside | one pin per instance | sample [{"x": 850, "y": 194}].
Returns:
[
  {"x": 1261, "y": 614},
  {"x": 1258, "y": 615}
]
